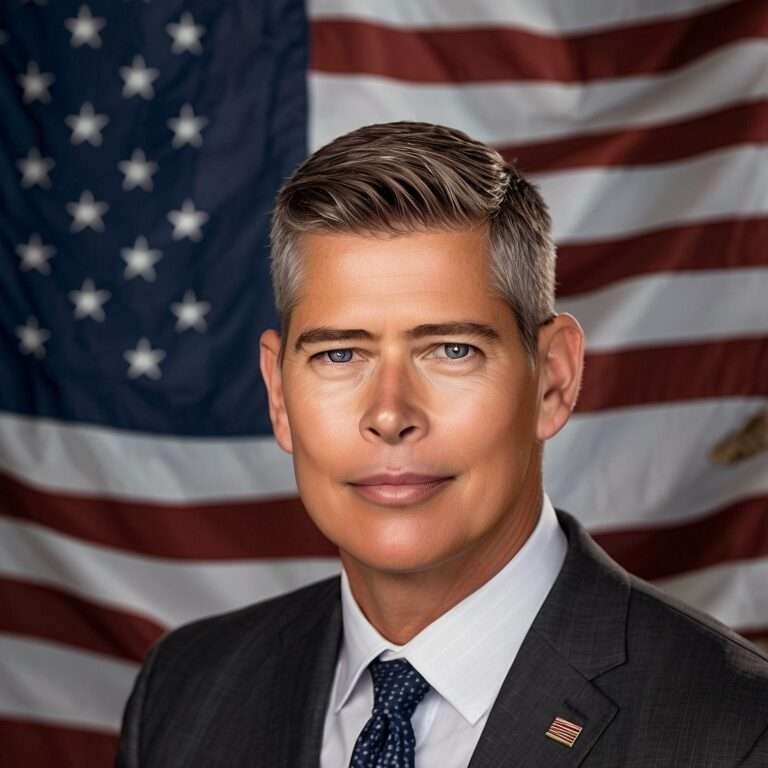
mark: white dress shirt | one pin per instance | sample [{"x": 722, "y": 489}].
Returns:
[{"x": 464, "y": 655}]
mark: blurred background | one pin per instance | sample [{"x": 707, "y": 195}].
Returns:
[{"x": 141, "y": 145}]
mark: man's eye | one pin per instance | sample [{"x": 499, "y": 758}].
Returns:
[
  {"x": 455, "y": 351},
  {"x": 334, "y": 356}
]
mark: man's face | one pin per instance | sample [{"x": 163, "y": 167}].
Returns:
[{"x": 451, "y": 404}]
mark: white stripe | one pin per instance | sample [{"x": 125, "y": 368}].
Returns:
[
  {"x": 519, "y": 112},
  {"x": 594, "y": 204},
  {"x": 92, "y": 460},
  {"x": 46, "y": 682},
  {"x": 734, "y": 593},
  {"x": 167, "y": 591},
  {"x": 545, "y": 16},
  {"x": 665, "y": 308},
  {"x": 649, "y": 466}
]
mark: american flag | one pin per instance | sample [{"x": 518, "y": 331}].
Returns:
[{"x": 142, "y": 145}]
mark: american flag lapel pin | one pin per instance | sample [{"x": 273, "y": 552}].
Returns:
[{"x": 564, "y": 731}]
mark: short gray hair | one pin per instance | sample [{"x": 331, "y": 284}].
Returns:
[{"x": 405, "y": 177}]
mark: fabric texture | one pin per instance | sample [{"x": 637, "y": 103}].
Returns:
[
  {"x": 387, "y": 739},
  {"x": 648, "y": 681}
]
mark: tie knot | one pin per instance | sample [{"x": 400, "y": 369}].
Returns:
[{"x": 397, "y": 687}]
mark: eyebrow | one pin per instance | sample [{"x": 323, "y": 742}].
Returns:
[{"x": 458, "y": 328}]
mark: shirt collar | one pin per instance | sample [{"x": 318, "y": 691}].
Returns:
[{"x": 466, "y": 653}]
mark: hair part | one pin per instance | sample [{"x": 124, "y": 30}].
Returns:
[{"x": 405, "y": 177}]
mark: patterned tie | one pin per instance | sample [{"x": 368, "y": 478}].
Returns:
[{"x": 387, "y": 739}]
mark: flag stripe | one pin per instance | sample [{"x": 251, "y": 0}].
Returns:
[
  {"x": 275, "y": 528},
  {"x": 654, "y": 460},
  {"x": 492, "y": 53},
  {"x": 636, "y": 200},
  {"x": 662, "y": 143},
  {"x": 42, "y": 745},
  {"x": 733, "y": 593},
  {"x": 732, "y": 368},
  {"x": 712, "y": 245},
  {"x": 54, "y": 614},
  {"x": 736, "y": 532},
  {"x": 166, "y": 592},
  {"x": 53, "y": 683},
  {"x": 651, "y": 310},
  {"x": 91, "y": 460},
  {"x": 519, "y": 112},
  {"x": 553, "y": 16}
]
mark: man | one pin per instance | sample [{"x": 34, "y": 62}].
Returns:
[{"x": 419, "y": 371}]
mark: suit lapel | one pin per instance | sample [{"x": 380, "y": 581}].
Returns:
[
  {"x": 302, "y": 670},
  {"x": 578, "y": 634}
]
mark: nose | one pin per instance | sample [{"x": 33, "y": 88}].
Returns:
[{"x": 395, "y": 412}]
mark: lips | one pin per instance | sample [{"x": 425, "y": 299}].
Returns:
[{"x": 401, "y": 489}]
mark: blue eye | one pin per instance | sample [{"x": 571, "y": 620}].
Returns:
[
  {"x": 457, "y": 351},
  {"x": 337, "y": 355}
]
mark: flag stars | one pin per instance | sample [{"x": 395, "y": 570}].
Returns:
[
  {"x": 187, "y": 221},
  {"x": 140, "y": 260},
  {"x": 87, "y": 213},
  {"x": 138, "y": 171},
  {"x": 35, "y": 84},
  {"x": 88, "y": 301},
  {"x": 187, "y": 127},
  {"x": 190, "y": 313},
  {"x": 85, "y": 28},
  {"x": 87, "y": 126},
  {"x": 34, "y": 169},
  {"x": 186, "y": 34},
  {"x": 144, "y": 361},
  {"x": 35, "y": 255},
  {"x": 32, "y": 338},
  {"x": 138, "y": 79}
]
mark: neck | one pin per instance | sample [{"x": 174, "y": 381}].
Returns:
[{"x": 400, "y": 605}]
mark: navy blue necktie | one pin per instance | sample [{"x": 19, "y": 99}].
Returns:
[{"x": 387, "y": 739}]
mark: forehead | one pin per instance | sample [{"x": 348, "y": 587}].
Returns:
[{"x": 420, "y": 277}]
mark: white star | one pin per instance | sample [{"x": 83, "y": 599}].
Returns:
[
  {"x": 35, "y": 255},
  {"x": 191, "y": 313},
  {"x": 86, "y": 126},
  {"x": 186, "y": 34},
  {"x": 85, "y": 28},
  {"x": 88, "y": 301},
  {"x": 35, "y": 84},
  {"x": 87, "y": 212},
  {"x": 140, "y": 260},
  {"x": 138, "y": 171},
  {"x": 32, "y": 338},
  {"x": 138, "y": 79},
  {"x": 144, "y": 361},
  {"x": 187, "y": 221},
  {"x": 34, "y": 169},
  {"x": 186, "y": 127}
]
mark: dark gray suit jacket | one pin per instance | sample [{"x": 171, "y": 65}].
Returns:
[{"x": 651, "y": 682}]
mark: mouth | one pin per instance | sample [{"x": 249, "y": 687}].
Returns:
[{"x": 399, "y": 490}]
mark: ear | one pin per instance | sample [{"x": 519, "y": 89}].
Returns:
[
  {"x": 269, "y": 345},
  {"x": 561, "y": 362}
]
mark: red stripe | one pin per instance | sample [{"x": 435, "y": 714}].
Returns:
[
  {"x": 631, "y": 377},
  {"x": 726, "y": 244},
  {"x": 256, "y": 529},
  {"x": 34, "y": 745},
  {"x": 53, "y": 614},
  {"x": 494, "y": 53},
  {"x": 662, "y": 143},
  {"x": 736, "y": 532}
]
